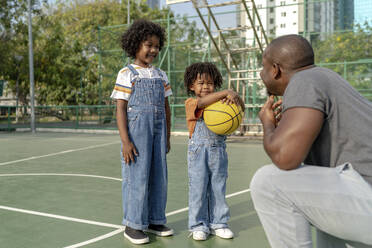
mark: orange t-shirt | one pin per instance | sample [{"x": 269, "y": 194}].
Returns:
[{"x": 192, "y": 114}]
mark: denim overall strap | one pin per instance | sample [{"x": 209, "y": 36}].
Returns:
[
  {"x": 134, "y": 71},
  {"x": 147, "y": 93},
  {"x": 159, "y": 72}
]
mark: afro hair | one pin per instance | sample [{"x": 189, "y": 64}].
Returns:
[
  {"x": 192, "y": 71},
  {"x": 138, "y": 32}
]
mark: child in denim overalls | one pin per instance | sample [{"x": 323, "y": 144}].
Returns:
[
  {"x": 143, "y": 119},
  {"x": 207, "y": 157}
]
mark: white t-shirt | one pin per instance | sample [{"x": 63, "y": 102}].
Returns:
[{"x": 126, "y": 79}]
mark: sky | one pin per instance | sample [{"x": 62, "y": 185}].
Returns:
[{"x": 186, "y": 8}]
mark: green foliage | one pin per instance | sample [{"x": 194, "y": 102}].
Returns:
[
  {"x": 14, "y": 44},
  {"x": 354, "y": 45},
  {"x": 65, "y": 46}
]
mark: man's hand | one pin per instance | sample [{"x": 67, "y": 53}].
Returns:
[
  {"x": 129, "y": 151},
  {"x": 277, "y": 108},
  {"x": 266, "y": 113}
]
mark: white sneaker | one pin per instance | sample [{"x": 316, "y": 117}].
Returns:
[
  {"x": 199, "y": 235},
  {"x": 224, "y": 233}
]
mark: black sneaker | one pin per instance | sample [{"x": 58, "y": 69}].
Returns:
[
  {"x": 160, "y": 230},
  {"x": 136, "y": 236}
]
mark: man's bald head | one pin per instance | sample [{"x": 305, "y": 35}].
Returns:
[{"x": 290, "y": 51}]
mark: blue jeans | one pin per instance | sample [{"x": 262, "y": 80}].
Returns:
[
  {"x": 207, "y": 169},
  {"x": 145, "y": 181},
  {"x": 336, "y": 201}
]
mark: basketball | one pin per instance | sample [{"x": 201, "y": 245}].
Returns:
[{"x": 222, "y": 118}]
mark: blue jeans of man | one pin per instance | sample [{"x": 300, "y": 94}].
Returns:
[
  {"x": 336, "y": 201},
  {"x": 207, "y": 169}
]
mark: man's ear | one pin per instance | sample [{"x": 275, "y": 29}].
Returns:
[{"x": 277, "y": 71}]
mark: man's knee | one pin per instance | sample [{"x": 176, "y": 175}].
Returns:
[{"x": 261, "y": 179}]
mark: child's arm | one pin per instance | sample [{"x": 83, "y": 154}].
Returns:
[
  {"x": 168, "y": 117},
  {"x": 121, "y": 118},
  {"x": 227, "y": 96}
]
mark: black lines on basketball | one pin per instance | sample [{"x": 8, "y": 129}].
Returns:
[{"x": 222, "y": 118}]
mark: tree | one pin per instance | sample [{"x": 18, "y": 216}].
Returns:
[
  {"x": 14, "y": 44},
  {"x": 349, "y": 46},
  {"x": 69, "y": 38}
]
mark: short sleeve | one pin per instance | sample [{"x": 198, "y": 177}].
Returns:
[
  {"x": 192, "y": 111},
  {"x": 167, "y": 87},
  {"x": 304, "y": 91},
  {"x": 123, "y": 85}
]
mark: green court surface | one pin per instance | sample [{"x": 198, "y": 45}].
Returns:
[{"x": 64, "y": 190}]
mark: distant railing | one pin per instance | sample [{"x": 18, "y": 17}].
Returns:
[{"x": 103, "y": 116}]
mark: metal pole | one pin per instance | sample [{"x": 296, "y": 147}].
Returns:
[
  {"x": 128, "y": 14},
  {"x": 17, "y": 96},
  {"x": 31, "y": 64},
  {"x": 305, "y": 18}
]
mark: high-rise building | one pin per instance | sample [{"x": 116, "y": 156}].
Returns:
[
  {"x": 362, "y": 11},
  {"x": 154, "y": 4},
  {"x": 314, "y": 19}
]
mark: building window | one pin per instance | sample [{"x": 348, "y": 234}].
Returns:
[
  {"x": 258, "y": 28},
  {"x": 282, "y": 3},
  {"x": 294, "y": 11},
  {"x": 294, "y": 24},
  {"x": 271, "y": 20},
  {"x": 284, "y": 13},
  {"x": 282, "y": 25},
  {"x": 259, "y": 6},
  {"x": 271, "y": 10}
]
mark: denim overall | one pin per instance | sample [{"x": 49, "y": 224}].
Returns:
[
  {"x": 145, "y": 181},
  {"x": 207, "y": 168}
]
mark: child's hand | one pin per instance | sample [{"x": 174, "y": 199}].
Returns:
[
  {"x": 129, "y": 151},
  {"x": 233, "y": 97}
]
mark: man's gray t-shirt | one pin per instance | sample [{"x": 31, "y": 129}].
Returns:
[{"x": 346, "y": 134}]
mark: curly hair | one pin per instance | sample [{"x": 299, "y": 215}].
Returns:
[
  {"x": 192, "y": 71},
  {"x": 138, "y": 32}
]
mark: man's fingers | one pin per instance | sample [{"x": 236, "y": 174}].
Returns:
[
  {"x": 268, "y": 103},
  {"x": 277, "y": 105}
]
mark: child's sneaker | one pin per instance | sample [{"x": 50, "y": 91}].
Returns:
[
  {"x": 224, "y": 233},
  {"x": 199, "y": 235},
  {"x": 136, "y": 236},
  {"x": 160, "y": 230}
]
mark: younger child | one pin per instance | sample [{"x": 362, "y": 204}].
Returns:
[
  {"x": 207, "y": 157},
  {"x": 143, "y": 118}
]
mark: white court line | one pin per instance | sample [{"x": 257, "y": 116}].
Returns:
[
  {"x": 177, "y": 211},
  {"x": 186, "y": 209},
  {"x": 61, "y": 217},
  {"x": 90, "y": 241},
  {"x": 168, "y": 214},
  {"x": 58, "y": 153},
  {"x": 238, "y": 193},
  {"x": 59, "y": 174},
  {"x": 110, "y": 234}
]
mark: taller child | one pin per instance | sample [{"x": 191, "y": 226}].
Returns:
[{"x": 143, "y": 118}]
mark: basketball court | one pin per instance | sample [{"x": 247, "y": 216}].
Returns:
[{"x": 64, "y": 190}]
